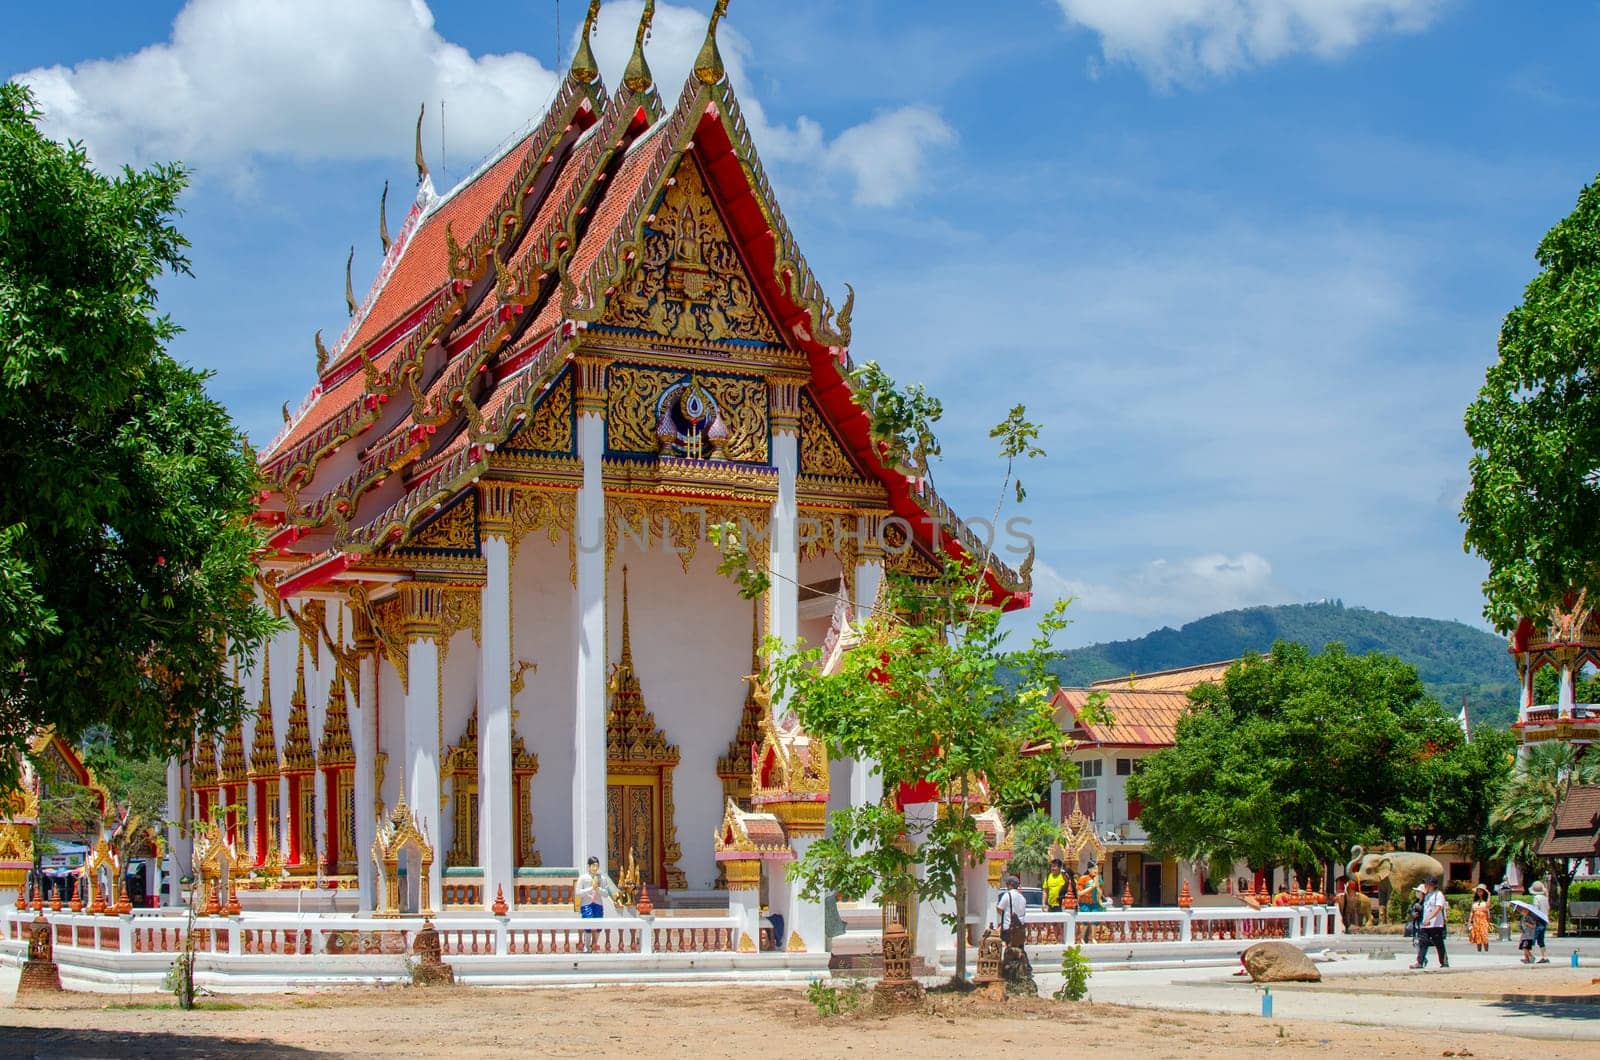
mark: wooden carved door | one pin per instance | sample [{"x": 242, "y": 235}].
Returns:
[{"x": 633, "y": 823}]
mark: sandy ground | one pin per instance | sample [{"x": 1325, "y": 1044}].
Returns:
[{"x": 693, "y": 1022}]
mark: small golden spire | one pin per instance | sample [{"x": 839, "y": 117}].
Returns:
[
  {"x": 299, "y": 699},
  {"x": 322, "y": 354},
  {"x": 637, "y": 76},
  {"x": 708, "y": 69},
  {"x": 422, "y": 163},
  {"x": 626, "y": 661},
  {"x": 585, "y": 70},
  {"x": 349, "y": 288},
  {"x": 383, "y": 218}
]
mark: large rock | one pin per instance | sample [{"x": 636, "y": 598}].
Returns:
[{"x": 1279, "y": 962}]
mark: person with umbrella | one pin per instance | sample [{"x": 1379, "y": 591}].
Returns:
[
  {"x": 1534, "y": 920},
  {"x": 1533, "y": 923}
]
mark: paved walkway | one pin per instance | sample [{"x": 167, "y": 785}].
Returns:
[{"x": 1217, "y": 990}]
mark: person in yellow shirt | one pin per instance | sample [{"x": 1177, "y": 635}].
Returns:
[{"x": 1055, "y": 886}]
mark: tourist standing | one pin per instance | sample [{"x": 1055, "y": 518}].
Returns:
[
  {"x": 1525, "y": 936},
  {"x": 1478, "y": 925},
  {"x": 1430, "y": 932},
  {"x": 1541, "y": 902},
  {"x": 1091, "y": 899},
  {"x": 1012, "y": 912},
  {"x": 589, "y": 894},
  {"x": 1055, "y": 886}
]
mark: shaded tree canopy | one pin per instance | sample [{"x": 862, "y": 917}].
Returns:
[
  {"x": 125, "y": 551},
  {"x": 1533, "y": 509}
]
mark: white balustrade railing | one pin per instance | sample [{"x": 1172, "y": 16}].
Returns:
[
  {"x": 259, "y": 934},
  {"x": 1166, "y": 924}
]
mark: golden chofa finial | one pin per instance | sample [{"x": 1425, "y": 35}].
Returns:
[
  {"x": 322, "y": 354},
  {"x": 422, "y": 163},
  {"x": 349, "y": 288},
  {"x": 708, "y": 68},
  {"x": 585, "y": 70},
  {"x": 383, "y": 218},
  {"x": 637, "y": 75}
]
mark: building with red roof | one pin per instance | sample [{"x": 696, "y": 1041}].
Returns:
[{"x": 602, "y": 342}]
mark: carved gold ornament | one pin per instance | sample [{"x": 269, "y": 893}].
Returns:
[
  {"x": 549, "y": 428},
  {"x": 688, "y": 283}
]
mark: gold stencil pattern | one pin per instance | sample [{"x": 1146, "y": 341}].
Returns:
[
  {"x": 821, "y": 453},
  {"x": 690, "y": 284},
  {"x": 549, "y": 428},
  {"x": 631, "y": 411},
  {"x": 455, "y": 529}
]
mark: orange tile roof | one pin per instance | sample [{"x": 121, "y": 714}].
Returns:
[
  {"x": 1179, "y": 680},
  {"x": 1144, "y": 709},
  {"x": 425, "y": 264},
  {"x": 1138, "y": 719}
]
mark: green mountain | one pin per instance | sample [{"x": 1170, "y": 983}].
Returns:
[{"x": 1452, "y": 658}]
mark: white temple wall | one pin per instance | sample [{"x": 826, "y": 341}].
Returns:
[
  {"x": 458, "y": 700},
  {"x": 391, "y": 734},
  {"x": 691, "y": 651},
  {"x": 542, "y": 621}
]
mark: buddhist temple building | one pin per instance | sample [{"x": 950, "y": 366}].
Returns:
[
  {"x": 1568, "y": 640},
  {"x": 509, "y": 648}
]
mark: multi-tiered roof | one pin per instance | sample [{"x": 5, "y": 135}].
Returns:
[{"x": 486, "y": 293}]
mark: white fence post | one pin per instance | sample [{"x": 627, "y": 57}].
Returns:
[
  {"x": 125, "y": 934},
  {"x": 1186, "y": 926},
  {"x": 647, "y": 936}
]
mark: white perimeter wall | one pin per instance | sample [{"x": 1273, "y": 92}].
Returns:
[
  {"x": 544, "y": 625},
  {"x": 691, "y": 651}
]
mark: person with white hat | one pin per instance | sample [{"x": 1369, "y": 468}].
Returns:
[{"x": 1541, "y": 902}]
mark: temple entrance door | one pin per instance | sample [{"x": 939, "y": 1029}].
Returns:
[
  {"x": 1152, "y": 884},
  {"x": 633, "y": 823}
]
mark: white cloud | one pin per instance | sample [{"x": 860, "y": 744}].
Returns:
[
  {"x": 240, "y": 81},
  {"x": 304, "y": 79},
  {"x": 1190, "y": 587},
  {"x": 1181, "y": 40}
]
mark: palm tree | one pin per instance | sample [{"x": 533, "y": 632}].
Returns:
[{"x": 1537, "y": 784}]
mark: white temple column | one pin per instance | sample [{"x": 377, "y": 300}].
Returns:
[
  {"x": 177, "y": 841},
  {"x": 808, "y": 920},
  {"x": 589, "y": 729},
  {"x": 866, "y": 785},
  {"x": 249, "y": 826},
  {"x": 783, "y": 545},
  {"x": 423, "y": 608},
  {"x": 497, "y": 856},
  {"x": 364, "y": 739},
  {"x": 931, "y": 932}
]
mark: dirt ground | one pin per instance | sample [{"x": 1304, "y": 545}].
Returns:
[{"x": 701, "y": 1023}]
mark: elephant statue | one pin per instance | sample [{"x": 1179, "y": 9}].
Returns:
[{"x": 1394, "y": 869}]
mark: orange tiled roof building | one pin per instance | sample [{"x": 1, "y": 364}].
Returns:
[{"x": 598, "y": 344}]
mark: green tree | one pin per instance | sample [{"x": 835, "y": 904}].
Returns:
[
  {"x": 933, "y": 695},
  {"x": 1533, "y": 509},
  {"x": 125, "y": 548},
  {"x": 1291, "y": 759},
  {"x": 1528, "y": 803},
  {"x": 1451, "y": 786}
]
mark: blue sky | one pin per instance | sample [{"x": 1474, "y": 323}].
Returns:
[{"x": 1244, "y": 259}]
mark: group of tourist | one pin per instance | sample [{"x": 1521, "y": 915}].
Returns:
[
  {"x": 1425, "y": 922},
  {"x": 1085, "y": 893}
]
